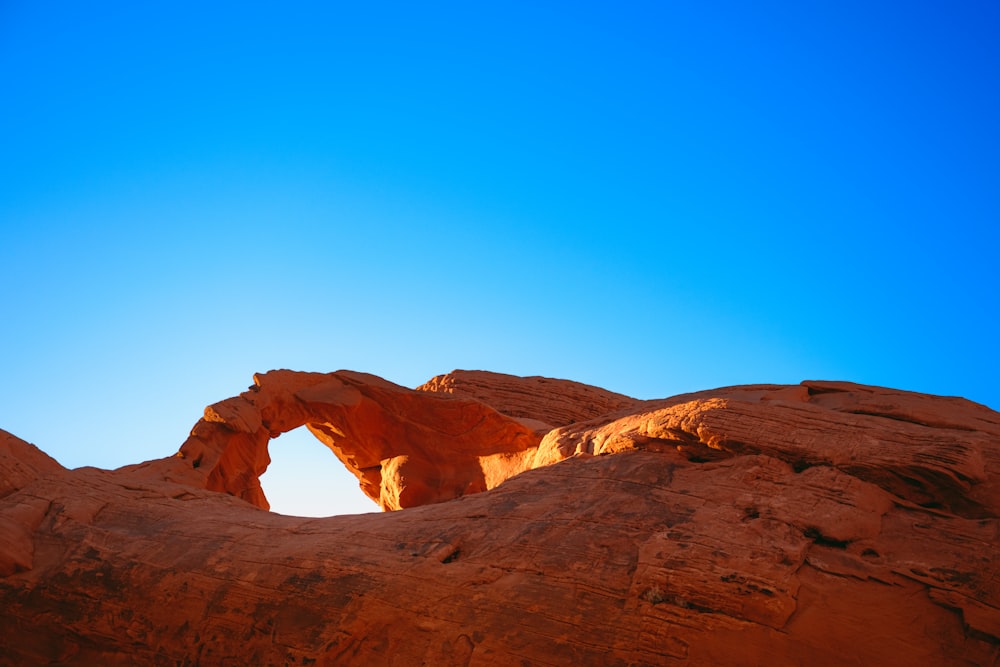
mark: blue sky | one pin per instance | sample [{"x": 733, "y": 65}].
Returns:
[{"x": 650, "y": 197}]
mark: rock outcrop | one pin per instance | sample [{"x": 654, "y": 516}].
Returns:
[
  {"x": 823, "y": 523},
  {"x": 542, "y": 402},
  {"x": 406, "y": 447}
]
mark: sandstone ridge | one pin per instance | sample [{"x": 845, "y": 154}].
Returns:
[{"x": 544, "y": 522}]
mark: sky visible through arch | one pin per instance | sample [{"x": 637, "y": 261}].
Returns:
[{"x": 649, "y": 197}]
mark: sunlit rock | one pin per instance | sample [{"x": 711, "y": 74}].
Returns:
[{"x": 548, "y": 523}]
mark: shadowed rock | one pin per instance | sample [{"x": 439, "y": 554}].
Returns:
[
  {"x": 823, "y": 523},
  {"x": 406, "y": 447}
]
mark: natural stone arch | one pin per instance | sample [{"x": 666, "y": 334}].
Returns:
[{"x": 405, "y": 447}]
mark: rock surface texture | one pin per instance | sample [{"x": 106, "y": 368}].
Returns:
[{"x": 546, "y": 523}]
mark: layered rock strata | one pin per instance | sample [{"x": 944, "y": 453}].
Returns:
[{"x": 823, "y": 523}]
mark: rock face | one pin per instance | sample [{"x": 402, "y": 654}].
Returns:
[
  {"x": 543, "y": 401},
  {"x": 407, "y": 448},
  {"x": 823, "y": 523}
]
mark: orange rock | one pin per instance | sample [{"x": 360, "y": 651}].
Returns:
[
  {"x": 821, "y": 524},
  {"x": 541, "y": 401},
  {"x": 20, "y": 464},
  {"x": 389, "y": 436}
]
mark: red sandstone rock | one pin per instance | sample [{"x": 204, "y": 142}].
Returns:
[
  {"x": 825, "y": 523},
  {"x": 536, "y": 399},
  {"x": 20, "y": 464},
  {"x": 406, "y": 447}
]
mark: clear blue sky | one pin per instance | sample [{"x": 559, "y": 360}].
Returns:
[{"x": 651, "y": 197}]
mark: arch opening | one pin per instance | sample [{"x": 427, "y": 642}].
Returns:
[
  {"x": 406, "y": 447},
  {"x": 306, "y": 479}
]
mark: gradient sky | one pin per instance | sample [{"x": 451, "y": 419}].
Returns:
[{"x": 650, "y": 197}]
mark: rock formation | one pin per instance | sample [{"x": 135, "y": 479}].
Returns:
[
  {"x": 544, "y": 402},
  {"x": 547, "y": 523},
  {"x": 407, "y": 448}
]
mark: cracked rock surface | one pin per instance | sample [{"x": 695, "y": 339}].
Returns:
[{"x": 542, "y": 522}]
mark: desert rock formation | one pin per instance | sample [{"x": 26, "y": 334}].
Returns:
[
  {"x": 407, "y": 448},
  {"x": 546, "y": 523}
]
